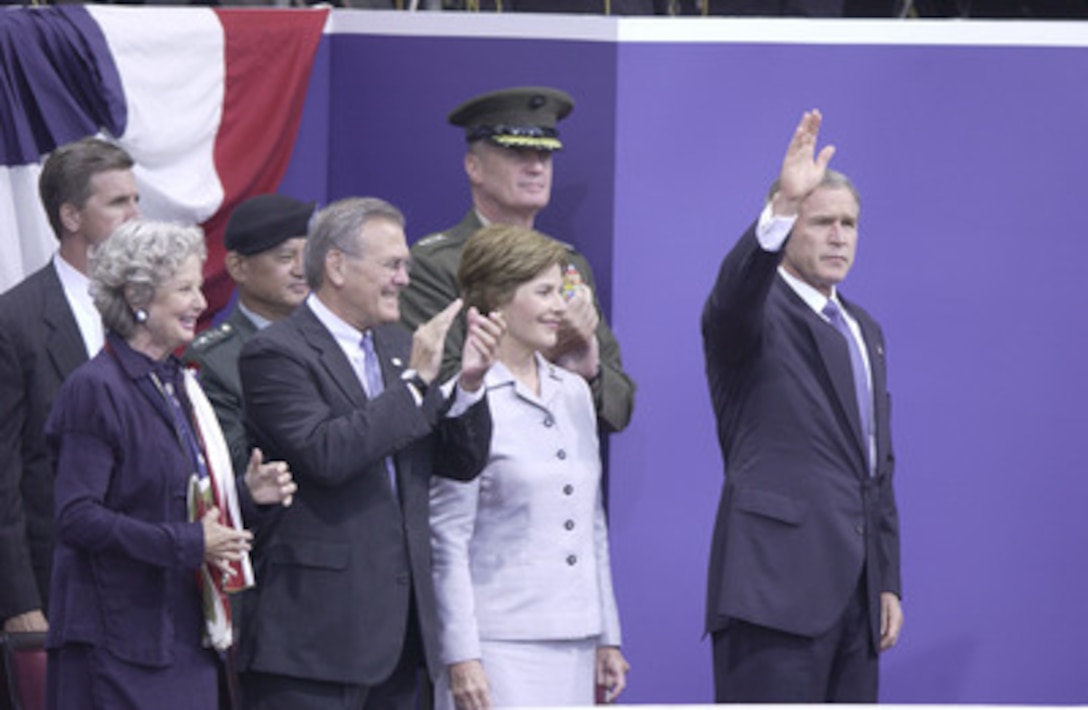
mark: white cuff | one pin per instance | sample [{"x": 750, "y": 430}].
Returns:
[{"x": 772, "y": 230}]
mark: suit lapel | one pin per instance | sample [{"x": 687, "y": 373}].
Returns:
[
  {"x": 392, "y": 364},
  {"x": 835, "y": 356},
  {"x": 330, "y": 355},
  {"x": 63, "y": 341},
  {"x": 834, "y": 359}
]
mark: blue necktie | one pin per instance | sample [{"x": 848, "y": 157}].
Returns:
[
  {"x": 861, "y": 377},
  {"x": 372, "y": 371}
]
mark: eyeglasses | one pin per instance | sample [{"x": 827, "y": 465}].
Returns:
[{"x": 393, "y": 266}]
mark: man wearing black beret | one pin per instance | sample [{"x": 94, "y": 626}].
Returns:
[
  {"x": 265, "y": 238},
  {"x": 511, "y": 137}
]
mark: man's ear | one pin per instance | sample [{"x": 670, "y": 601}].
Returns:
[
  {"x": 334, "y": 267},
  {"x": 70, "y": 217},
  {"x": 473, "y": 168},
  {"x": 236, "y": 266}
]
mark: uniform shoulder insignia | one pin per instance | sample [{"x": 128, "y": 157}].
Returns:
[
  {"x": 431, "y": 240},
  {"x": 213, "y": 336}
]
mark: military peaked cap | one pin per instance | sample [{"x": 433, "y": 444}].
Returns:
[{"x": 522, "y": 117}]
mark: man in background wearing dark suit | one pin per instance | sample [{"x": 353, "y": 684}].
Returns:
[
  {"x": 343, "y": 614},
  {"x": 803, "y": 587},
  {"x": 49, "y": 327}
]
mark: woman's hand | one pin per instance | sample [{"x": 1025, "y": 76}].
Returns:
[
  {"x": 612, "y": 670},
  {"x": 469, "y": 685},
  {"x": 481, "y": 348},
  {"x": 269, "y": 483},
  {"x": 223, "y": 544}
]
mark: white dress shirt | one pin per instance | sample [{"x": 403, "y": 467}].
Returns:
[
  {"x": 772, "y": 231},
  {"x": 77, "y": 290}
]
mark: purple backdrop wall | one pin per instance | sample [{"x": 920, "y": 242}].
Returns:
[
  {"x": 970, "y": 160},
  {"x": 391, "y": 138},
  {"x": 958, "y": 152}
]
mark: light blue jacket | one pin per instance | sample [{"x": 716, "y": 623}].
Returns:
[{"x": 521, "y": 553}]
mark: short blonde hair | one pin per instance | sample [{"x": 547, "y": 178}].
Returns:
[
  {"x": 499, "y": 258},
  {"x": 139, "y": 255}
]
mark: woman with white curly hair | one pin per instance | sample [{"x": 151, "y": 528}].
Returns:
[{"x": 149, "y": 533}]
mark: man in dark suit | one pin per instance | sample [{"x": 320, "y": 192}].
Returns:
[
  {"x": 511, "y": 137},
  {"x": 803, "y": 588},
  {"x": 265, "y": 238},
  {"x": 343, "y": 614},
  {"x": 48, "y": 328}
]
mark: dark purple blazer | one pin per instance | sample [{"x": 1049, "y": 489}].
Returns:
[
  {"x": 40, "y": 345},
  {"x": 800, "y": 517},
  {"x": 126, "y": 555},
  {"x": 338, "y": 571}
]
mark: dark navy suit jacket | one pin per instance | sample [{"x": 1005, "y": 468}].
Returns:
[
  {"x": 40, "y": 345},
  {"x": 337, "y": 571},
  {"x": 800, "y": 518}
]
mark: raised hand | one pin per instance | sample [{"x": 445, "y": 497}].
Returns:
[
  {"x": 481, "y": 347},
  {"x": 429, "y": 341},
  {"x": 802, "y": 168},
  {"x": 271, "y": 482},
  {"x": 576, "y": 347}
]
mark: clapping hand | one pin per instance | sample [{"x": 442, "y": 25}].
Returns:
[
  {"x": 481, "y": 347},
  {"x": 222, "y": 543},
  {"x": 576, "y": 347},
  {"x": 429, "y": 340},
  {"x": 270, "y": 482}
]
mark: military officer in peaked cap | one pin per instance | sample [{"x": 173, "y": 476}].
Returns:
[
  {"x": 511, "y": 137},
  {"x": 265, "y": 239}
]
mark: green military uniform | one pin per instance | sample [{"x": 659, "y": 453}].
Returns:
[
  {"x": 435, "y": 260},
  {"x": 215, "y": 353}
]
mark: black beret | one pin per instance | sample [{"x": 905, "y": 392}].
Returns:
[
  {"x": 522, "y": 117},
  {"x": 265, "y": 221}
]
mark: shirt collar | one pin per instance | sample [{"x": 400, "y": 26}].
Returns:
[
  {"x": 815, "y": 300},
  {"x": 347, "y": 336},
  {"x": 136, "y": 364},
  {"x": 484, "y": 221},
  {"x": 499, "y": 375},
  {"x": 73, "y": 281},
  {"x": 260, "y": 321}
]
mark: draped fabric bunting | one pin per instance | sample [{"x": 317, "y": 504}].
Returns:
[{"x": 207, "y": 101}]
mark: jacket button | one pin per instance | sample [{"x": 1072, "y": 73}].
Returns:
[
  {"x": 859, "y": 528},
  {"x": 572, "y": 560},
  {"x": 561, "y": 454},
  {"x": 548, "y": 421},
  {"x": 569, "y": 525},
  {"x": 568, "y": 489}
]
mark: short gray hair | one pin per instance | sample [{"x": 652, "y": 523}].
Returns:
[
  {"x": 338, "y": 227},
  {"x": 831, "y": 179},
  {"x": 140, "y": 255}
]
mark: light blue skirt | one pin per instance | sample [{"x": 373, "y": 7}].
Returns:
[{"x": 533, "y": 673}]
